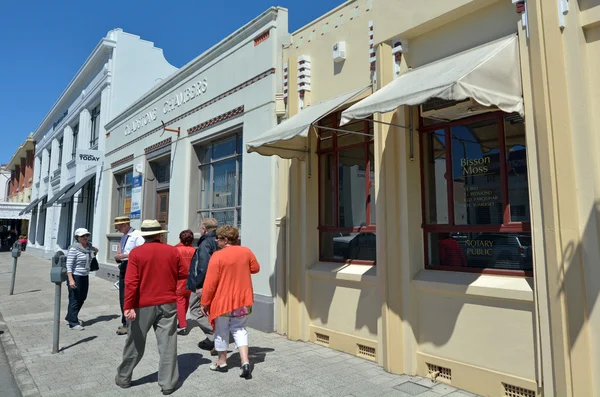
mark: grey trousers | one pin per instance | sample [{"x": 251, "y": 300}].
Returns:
[
  {"x": 199, "y": 318},
  {"x": 163, "y": 319}
]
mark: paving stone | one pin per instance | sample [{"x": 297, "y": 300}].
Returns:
[
  {"x": 281, "y": 367},
  {"x": 411, "y": 388}
]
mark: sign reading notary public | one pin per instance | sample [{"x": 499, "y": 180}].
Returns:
[{"x": 91, "y": 157}]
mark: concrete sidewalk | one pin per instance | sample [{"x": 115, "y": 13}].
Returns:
[{"x": 86, "y": 365}]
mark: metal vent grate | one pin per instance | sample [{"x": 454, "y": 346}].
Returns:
[
  {"x": 516, "y": 391},
  {"x": 322, "y": 338},
  {"x": 366, "y": 351},
  {"x": 439, "y": 372}
]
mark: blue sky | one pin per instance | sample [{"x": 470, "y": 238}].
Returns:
[{"x": 45, "y": 43}]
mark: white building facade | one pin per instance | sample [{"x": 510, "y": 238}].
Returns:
[
  {"x": 120, "y": 69},
  {"x": 197, "y": 167}
]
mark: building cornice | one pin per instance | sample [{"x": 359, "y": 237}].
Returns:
[
  {"x": 100, "y": 53},
  {"x": 244, "y": 33},
  {"x": 21, "y": 152}
]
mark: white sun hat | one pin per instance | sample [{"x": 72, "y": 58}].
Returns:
[{"x": 82, "y": 231}]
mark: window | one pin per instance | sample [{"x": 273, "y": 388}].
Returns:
[
  {"x": 60, "y": 149},
  {"x": 475, "y": 195},
  {"x": 124, "y": 188},
  {"x": 346, "y": 192},
  {"x": 48, "y": 168},
  {"x": 221, "y": 181},
  {"x": 95, "y": 133},
  {"x": 75, "y": 134}
]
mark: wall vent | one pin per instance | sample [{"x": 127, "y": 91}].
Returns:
[
  {"x": 516, "y": 391},
  {"x": 366, "y": 351},
  {"x": 439, "y": 372},
  {"x": 322, "y": 338}
]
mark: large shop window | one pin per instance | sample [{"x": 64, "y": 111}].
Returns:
[
  {"x": 346, "y": 192},
  {"x": 124, "y": 187},
  {"x": 95, "y": 133},
  {"x": 475, "y": 195},
  {"x": 221, "y": 181}
]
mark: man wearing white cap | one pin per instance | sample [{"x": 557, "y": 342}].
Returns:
[
  {"x": 131, "y": 238},
  {"x": 150, "y": 301}
]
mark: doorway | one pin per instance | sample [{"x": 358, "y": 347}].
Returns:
[{"x": 162, "y": 208}]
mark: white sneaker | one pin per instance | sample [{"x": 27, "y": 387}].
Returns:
[{"x": 77, "y": 328}]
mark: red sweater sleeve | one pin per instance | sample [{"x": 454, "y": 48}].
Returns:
[
  {"x": 132, "y": 283},
  {"x": 212, "y": 280},
  {"x": 254, "y": 265}
]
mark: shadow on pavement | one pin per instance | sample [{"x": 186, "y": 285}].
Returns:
[
  {"x": 84, "y": 340},
  {"x": 101, "y": 319},
  {"x": 188, "y": 363},
  {"x": 27, "y": 292},
  {"x": 256, "y": 355}
]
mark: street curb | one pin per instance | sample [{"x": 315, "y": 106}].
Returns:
[{"x": 25, "y": 382}]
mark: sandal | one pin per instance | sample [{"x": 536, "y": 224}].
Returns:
[{"x": 218, "y": 368}]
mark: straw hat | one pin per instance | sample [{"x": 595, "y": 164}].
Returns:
[
  {"x": 151, "y": 227},
  {"x": 119, "y": 220}
]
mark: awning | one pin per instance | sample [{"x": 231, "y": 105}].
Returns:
[
  {"x": 31, "y": 205},
  {"x": 289, "y": 139},
  {"x": 490, "y": 74},
  {"x": 71, "y": 192},
  {"x": 58, "y": 195}
]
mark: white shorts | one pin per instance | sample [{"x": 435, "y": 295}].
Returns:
[{"x": 237, "y": 327}]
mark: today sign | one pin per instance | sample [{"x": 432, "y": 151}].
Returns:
[{"x": 91, "y": 157}]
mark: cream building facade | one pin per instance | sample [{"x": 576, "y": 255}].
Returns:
[{"x": 444, "y": 239}]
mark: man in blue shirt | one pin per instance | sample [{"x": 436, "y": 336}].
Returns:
[{"x": 131, "y": 238}]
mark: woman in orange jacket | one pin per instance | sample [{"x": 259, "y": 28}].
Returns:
[
  {"x": 186, "y": 251},
  {"x": 228, "y": 297}
]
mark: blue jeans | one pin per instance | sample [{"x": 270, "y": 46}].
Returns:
[{"x": 77, "y": 297}]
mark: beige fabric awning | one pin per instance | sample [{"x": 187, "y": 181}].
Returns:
[
  {"x": 289, "y": 139},
  {"x": 490, "y": 74}
]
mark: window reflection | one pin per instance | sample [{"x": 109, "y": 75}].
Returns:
[
  {"x": 476, "y": 174},
  {"x": 352, "y": 194},
  {"x": 434, "y": 150},
  {"x": 516, "y": 156}
]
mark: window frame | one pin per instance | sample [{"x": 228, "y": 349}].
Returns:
[
  {"x": 239, "y": 164},
  {"x": 60, "y": 150},
  {"x": 122, "y": 190},
  {"x": 75, "y": 137},
  {"x": 507, "y": 225},
  {"x": 334, "y": 150},
  {"x": 95, "y": 127}
]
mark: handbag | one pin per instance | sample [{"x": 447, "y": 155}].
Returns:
[{"x": 94, "y": 265}]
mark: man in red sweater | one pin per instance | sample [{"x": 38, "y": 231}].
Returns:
[{"x": 150, "y": 301}]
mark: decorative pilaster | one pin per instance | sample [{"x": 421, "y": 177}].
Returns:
[
  {"x": 304, "y": 74},
  {"x": 105, "y": 113},
  {"x": 521, "y": 6},
  {"x": 399, "y": 47},
  {"x": 285, "y": 84},
  {"x": 54, "y": 156},
  {"x": 83, "y": 139},
  {"x": 372, "y": 53},
  {"x": 66, "y": 155}
]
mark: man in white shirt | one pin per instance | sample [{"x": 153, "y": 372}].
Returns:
[{"x": 131, "y": 239}]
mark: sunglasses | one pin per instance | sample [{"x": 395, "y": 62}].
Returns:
[{"x": 221, "y": 238}]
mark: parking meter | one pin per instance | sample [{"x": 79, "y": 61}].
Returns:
[
  {"x": 16, "y": 250},
  {"x": 58, "y": 275},
  {"x": 16, "y": 253},
  {"x": 58, "y": 272}
]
